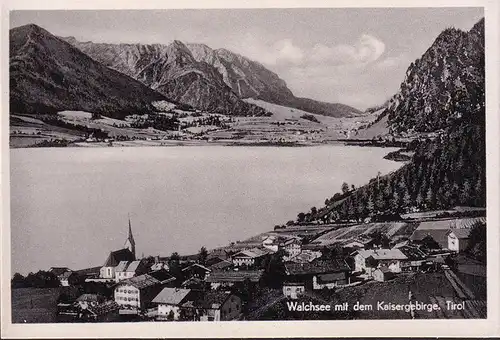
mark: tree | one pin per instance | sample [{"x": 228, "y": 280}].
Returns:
[
  {"x": 202, "y": 255},
  {"x": 17, "y": 281},
  {"x": 300, "y": 217},
  {"x": 314, "y": 211},
  {"x": 174, "y": 265},
  {"x": 477, "y": 242},
  {"x": 345, "y": 188},
  {"x": 274, "y": 269}
]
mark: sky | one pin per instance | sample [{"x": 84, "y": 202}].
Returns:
[{"x": 354, "y": 56}]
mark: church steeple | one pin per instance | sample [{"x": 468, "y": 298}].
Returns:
[{"x": 130, "y": 242}]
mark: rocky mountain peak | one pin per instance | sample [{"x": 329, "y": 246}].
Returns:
[{"x": 445, "y": 84}]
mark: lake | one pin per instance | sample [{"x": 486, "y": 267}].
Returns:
[{"x": 70, "y": 206}]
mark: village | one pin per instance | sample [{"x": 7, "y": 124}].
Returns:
[{"x": 422, "y": 259}]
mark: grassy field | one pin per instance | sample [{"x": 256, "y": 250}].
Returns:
[
  {"x": 393, "y": 230},
  {"x": 34, "y": 305}
]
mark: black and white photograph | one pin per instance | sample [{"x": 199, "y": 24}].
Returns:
[{"x": 194, "y": 165}]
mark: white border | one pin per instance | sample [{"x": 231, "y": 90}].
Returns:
[{"x": 359, "y": 328}]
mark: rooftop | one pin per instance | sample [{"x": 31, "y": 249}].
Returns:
[
  {"x": 90, "y": 298},
  {"x": 115, "y": 257},
  {"x": 383, "y": 254},
  {"x": 251, "y": 253},
  {"x": 317, "y": 267},
  {"x": 140, "y": 282},
  {"x": 171, "y": 296},
  {"x": 212, "y": 299},
  {"x": 439, "y": 235},
  {"x": 132, "y": 267},
  {"x": 235, "y": 276},
  {"x": 121, "y": 266},
  {"x": 460, "y": 233}
]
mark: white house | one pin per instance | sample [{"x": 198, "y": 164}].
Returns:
[
  {"x": 128, "y": 269},
  {"x": 458, "y": 239},
  {"x": 293, "y": 290},
  {"x": 249, "y": 258},
  {"x": 390, "y": 258},
  {"x": 169, "y": 302}
]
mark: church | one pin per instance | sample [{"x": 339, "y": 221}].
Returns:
[{"x": 115, "y": 257}]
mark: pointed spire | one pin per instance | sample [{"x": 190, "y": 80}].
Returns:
[{"x": 130, "y": 242}]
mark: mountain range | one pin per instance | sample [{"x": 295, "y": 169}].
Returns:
[
  {"x": 205, "y": 78},
  {"x": 48, "y": 75}
]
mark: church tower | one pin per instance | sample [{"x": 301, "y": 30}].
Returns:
[{"x": 130, "y": 242}]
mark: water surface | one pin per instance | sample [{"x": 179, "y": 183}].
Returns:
[{"x": 69, "y": 206}]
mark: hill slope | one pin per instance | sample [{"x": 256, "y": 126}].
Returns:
[
  {"x": 449, "y": 170},
  {"x": 48, "y": 75},
  {"x": 250, "y": 79}
]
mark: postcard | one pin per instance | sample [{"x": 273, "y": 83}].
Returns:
[{"x": 270, "y": 169}]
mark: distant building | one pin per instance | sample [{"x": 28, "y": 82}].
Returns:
[
  {"x": 169, "y": 302},
  {"x": 250, "y": 258},
  {"x": 230, "y": 278},
  {"x": 186, "y": 304},
  {"x": 136, "y": 293},
  {"x": 59, "y": 270},
  {"x": 85, "y": 301},
  {"x": 128, "y": 269},
  {"x": 218, "y": 306},
  {"x": 382, "y": 274},
  {"x": 305, "y": 256},
  {"x": 113, "y": 260},
  {"x": 68, "y": 278},
  {"x": 126, "y": 254},
  {"x": 319, "y": 274},
  {"x": 369, "y": 260},
  {"x": 218, "y": 264},
  {"x": 196, "y": 270},
  {"x": 458, "y": 239},
  {"x": 293, "y": 290},
  {"x": 292, "y": 246}
]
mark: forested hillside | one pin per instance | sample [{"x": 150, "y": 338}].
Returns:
[{"x": 447, "y": 171}]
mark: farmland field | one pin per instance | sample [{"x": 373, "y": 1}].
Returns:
[
  {"x": 34, "y": 305},
  {"x": 391, "y": 229}
]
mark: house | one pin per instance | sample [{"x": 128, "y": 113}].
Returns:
[
  {"x": 136, "y": 293},
  {"x": 250, "y": 258},
  {"x": 458, "y": 239},
  {"x": 169, "y": 302},
  {"x": 306, "y": 256},
  {"x": 220, "y": 265},
  {"x": 292, "y": 246},
  {"x": 217, "y": 306},
  {"x": 319, "y": 274},
  {"x": 115, "y": 257},
  {"x": 230, "y": 278},
  {"x": 293, "y": 290},
  {"x": 70, "y": 278},
  {"x": 382, "y": 274},
  {"x": 89, "y": 273},
  {"x": 128, "y": 269},
  {"x": 59, "y": 270},
  {"x": 368, "y": 260},
  {"x": 196, "y": 270},
  {"x": 85, "y": 301},
  {"x": 415, "y": 258},
  {"x": 439, "y": 236}
]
